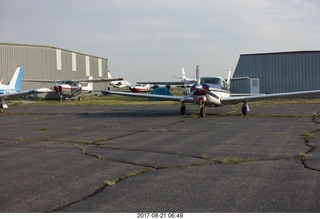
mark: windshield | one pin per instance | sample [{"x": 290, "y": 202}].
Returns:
[{"x": 210, "y": 81}]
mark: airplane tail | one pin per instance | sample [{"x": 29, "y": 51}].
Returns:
[
  {"x": 197, "y": 75},
  {"x": 109, "y": 75},
  {"x": 229, "y": 78},
  {"x": 183, "y": 74},
  {"x": 90, "y": 85},
  {"x": 15, "y": 82}
]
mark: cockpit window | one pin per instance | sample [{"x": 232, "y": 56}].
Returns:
[{"x": 210, "y": 81}]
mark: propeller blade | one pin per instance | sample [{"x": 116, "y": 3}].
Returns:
[{"x": 187, "y": 96}]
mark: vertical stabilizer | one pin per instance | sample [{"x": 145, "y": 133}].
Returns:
[
  {"x": 90, "y": 85},
  {"x": 229, "y": 78},
  {"x": 197, "y": 74},
  {"x": 109, "y": 75},
  {"x": 16, "y": 79},
  {"x": 183, "y": 74}
]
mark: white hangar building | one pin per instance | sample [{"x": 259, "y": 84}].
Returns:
[
  {"x": 48, "y": 62},
  {"x": 277, "y": 72}
]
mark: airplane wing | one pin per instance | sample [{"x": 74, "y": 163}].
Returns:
[
  {"x": 162, "y": 82},
  {"x": 98, "y": 80},
  {"x": 24, "y": 93},
  {"x": 75, "y": 80},
  {"x": 43, "y": 80},
  {"x": 152, "y": 96},
  {"x": 244, "y": 99}
]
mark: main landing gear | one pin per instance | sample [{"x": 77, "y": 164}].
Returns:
[
  {"x": 183, "y": 109},
  {"x": 245, "y": 108},
  {"x": 203, "y": 111}
]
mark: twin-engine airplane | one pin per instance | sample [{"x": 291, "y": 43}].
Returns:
[
  {"x": 69, "y": 89},
  {"x": 12, "y": 90},
  {"x": 214, "y": 92}
]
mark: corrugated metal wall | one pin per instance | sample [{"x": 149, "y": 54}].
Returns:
[
  {"x": 280, "y": 72},
  {"x": 46, "y": 62}
]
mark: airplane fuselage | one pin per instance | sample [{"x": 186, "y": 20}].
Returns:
[
  {"x": 71, "y": 89},
  {"x": 210, "y": 91}
]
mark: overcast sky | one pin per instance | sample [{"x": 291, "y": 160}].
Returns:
[{"x": 153, "y": 39}]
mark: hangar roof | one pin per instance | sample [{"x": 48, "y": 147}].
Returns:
[{"x": 280, "y": 53}]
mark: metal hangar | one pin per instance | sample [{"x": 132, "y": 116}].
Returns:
[
  {"x": 48, "y": 62},
  {"x": 278, "y": 72}
]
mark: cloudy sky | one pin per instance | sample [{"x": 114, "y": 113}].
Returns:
[{"x": 153, "y": 39}]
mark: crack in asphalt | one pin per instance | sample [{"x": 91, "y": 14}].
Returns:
[
  {"x": 308, "y": 143},
  {"x": 145, "y": 168}
]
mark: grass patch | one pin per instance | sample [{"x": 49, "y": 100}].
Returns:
[
  {"x": 234, "y": 160},
  {"x": 307, "y": 136}
]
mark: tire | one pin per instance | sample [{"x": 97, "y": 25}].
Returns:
[
  {"x": 203, "y": 112},
  {"x": 183, "y": 110}
]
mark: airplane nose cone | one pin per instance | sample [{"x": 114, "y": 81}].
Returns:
[{"x": 199, "y": 87}]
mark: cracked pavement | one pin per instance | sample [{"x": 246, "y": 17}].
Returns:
[{"x": 151, "y": 159}]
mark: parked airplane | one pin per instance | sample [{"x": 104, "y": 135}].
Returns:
[
  {"x": 119, "y": 83},
  {"x": 12, "y": 90},
  {"x": 185, "y": 82},
  {"x": 68, "y": 89},
  {"x": 214, "y": 92},
  {"x": 138, "y": 88}
]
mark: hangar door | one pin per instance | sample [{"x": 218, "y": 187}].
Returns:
[{"x": 254, "y": 86}]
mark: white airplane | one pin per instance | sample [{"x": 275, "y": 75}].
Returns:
[
  {"x": 12, "y": 90},
  {"x": 214, "y": 92},
  {"x": 185, "y": 82},
  {"x": 138, "y": 88},
  {"x": 69, "y": 89},
  {"x": 119, "y": 83}
]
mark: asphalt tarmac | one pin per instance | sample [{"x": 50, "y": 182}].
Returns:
[{"x": 151, "y": 159}]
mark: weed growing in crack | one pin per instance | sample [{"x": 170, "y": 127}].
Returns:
[
  {"x": 307, "y": 136},
  {"x": 205, "y": 156},
  {"x": 233, "y": 160},
  {"x": 77, "y": 128},
  {"x": 303, "y": 156},
  {"x": 20, "y": 138},
  {"x": 100, "y": 157},
  {"x": 194, "y": 116},
  {"x": 112, "y": 125},
  {"x": 151, "y": 130},
  {"x": 128, "y": 175},
  {"x": 84, "y": 149}
]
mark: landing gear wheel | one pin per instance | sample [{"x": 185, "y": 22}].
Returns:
[
  {"x": 183, "y": 110},
  {"x": 244, "y": 110},
  {"x": 79, "y": 98},
  {"x": 203, "y": 112}
]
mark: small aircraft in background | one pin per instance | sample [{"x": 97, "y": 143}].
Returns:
[
  {"x": 138, "y": 88},
  {"x": 119, "y": 83},
  {"x": 12, "y": 90},
  {"x": 214, "y": 92},
  {"x": 70, "y": 89},
  {"x": 185, "y": 83}
]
